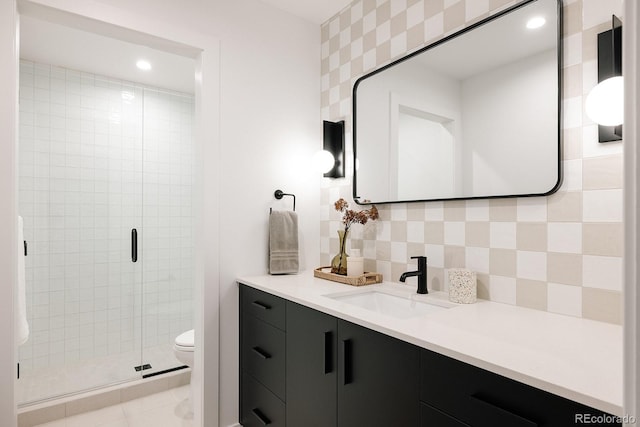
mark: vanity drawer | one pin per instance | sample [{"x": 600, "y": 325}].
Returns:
[
  {"x": 264, "y": 306},
  {"x": 260, "y": 407},
  {"x": 481, "y": 398},
  {"x": 431, "y": 417},
  {"x": 263, "y": 354}
]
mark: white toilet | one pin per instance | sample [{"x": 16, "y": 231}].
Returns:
[
  {"x": 183, "y": 347},
  {"x": 183, "y": 350}
]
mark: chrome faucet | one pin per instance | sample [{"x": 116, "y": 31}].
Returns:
[{"x": 421, "y": 272}]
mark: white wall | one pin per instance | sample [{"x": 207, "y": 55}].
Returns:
[
  {"x": 8, "y": 224},
  {"x": 270, "y": 127}
]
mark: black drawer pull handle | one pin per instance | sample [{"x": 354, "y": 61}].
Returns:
[
  {"x": 328, "y": 353},
  {"x": 260, "y": 416},
  {"x": 261, "y": 305},
  {"x": 521, "y": 421},
  {"x": 134, "y": 245},
  {"x": 347, "y": 372},
  {"x": 260, "y": 352}
]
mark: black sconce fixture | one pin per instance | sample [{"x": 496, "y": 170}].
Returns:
[
  {"x": 333, "y": 143},
  {"x": 601, "y": 98}
]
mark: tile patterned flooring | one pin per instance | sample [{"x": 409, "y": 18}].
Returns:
[
  {"x": 165, "y": 409},
  {"x": 55, "y": 381}
]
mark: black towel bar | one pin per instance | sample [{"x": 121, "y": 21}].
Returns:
[{"x": 278, "y": 194}]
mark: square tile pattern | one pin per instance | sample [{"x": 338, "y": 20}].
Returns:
[
  {"x": 97, "y": 157},
  {"x": 164, "y": 409},
  {"x": 561, "y": 253}
]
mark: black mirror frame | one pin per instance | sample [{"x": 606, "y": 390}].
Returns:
[{"x": 467, "y": 29}]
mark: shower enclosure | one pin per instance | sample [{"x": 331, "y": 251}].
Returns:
[{"x": 102, "y": 160}]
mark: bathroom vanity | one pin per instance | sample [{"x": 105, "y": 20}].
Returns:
[{"x": 310, "y": 355}]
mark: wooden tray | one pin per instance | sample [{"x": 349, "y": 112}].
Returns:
[{"x": 365, "y": 279}]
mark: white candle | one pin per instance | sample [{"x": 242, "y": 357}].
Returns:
[{"x": 355, "y": 263}]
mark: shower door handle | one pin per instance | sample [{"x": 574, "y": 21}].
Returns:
[{"x": 134, "y": 245}]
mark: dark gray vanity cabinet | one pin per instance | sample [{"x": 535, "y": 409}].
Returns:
[
  {"x": 377, "y": 379},
  {"x": 303, "y": 368},
  {"x": 312, "y": 368},
  {"x": 459, "y": 394},
  {"x": 339, "y": 373},
  {"x": 262, "y": 358}
]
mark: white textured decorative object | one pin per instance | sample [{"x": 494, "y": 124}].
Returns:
[{"x": 462, "y": 285}]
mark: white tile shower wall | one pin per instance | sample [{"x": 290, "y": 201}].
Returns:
[
  {"x": 82, "y": 188},
  {"x": 561, "y": 253}
]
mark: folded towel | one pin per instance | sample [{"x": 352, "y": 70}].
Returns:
[
  {"x": 22, "y": 327},
  {"x": 283, "y": 242}
]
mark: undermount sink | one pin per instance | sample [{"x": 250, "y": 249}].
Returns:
[{"x": 399, "y": 306}]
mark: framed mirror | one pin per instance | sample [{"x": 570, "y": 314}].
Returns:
[{"x": 474, "y": 115}]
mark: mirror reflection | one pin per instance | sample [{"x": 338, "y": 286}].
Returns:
[{"x": 474, "y": 115}]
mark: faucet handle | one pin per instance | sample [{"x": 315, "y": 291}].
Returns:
[{"x": 422, "y": 261}]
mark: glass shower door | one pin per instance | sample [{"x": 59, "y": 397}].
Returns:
[
  {"x": 101, "y": 162},
  {"x": 167, "y": 239},
  {"x": 80, "y": 194}
]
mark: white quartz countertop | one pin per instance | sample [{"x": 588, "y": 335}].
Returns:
[{"x": 576, "y": 358}]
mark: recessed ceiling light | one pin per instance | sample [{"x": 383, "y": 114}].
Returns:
[
  {"x": 536, "y": 22},
  {"x": 143, "y": 65}
]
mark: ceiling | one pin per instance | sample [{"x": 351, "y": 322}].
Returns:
[
  {"x": 46, "y": 42},
  {"x": 316, "y": 11}
]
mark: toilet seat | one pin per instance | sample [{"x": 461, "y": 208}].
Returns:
[
  {"x": 185, "y": 341},
  {"x": 182, "y": 348}
]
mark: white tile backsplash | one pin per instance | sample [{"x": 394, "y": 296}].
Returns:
[
  {"x": 506, "y": 225},
  {"x": 531, "y": 265},
  {"x": 564, "y": 299},
  {"x": 602, "y": 205},
  {"x": 502, "y": 235},
  {"x": 602, "y": 272},
  {"x": 564, "y": 237}
]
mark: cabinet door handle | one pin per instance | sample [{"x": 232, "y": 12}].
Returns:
[
  {"x": 261, "y": 305},
  {"x": 260, "y": 352},
  {"x": 347, "y": 361},
  {"x": 134, "y": 245},
  {"x": 261, "y": 417},
  {"x": 328, "y": 353},
  {"x": 515, "y": 419}
]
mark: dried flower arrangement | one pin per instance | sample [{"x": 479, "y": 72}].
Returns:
[{"x": 349, "y": 217}]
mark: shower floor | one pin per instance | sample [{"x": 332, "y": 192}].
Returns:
[{"x": 43, "y": 384}]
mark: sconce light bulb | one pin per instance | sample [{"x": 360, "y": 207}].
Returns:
[
  {"x": 605, "y": 102},
  {"x": 323, "y": 161}
]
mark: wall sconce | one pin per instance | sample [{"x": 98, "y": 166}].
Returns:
[
  {"x": 331, "y": 160},
  {"x": 605, "y": 102}
]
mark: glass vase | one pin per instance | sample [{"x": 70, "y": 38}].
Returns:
[{"x": 339, "y": 262}]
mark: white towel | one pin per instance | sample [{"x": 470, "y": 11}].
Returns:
[
  {"x": 22, "y": 327},
  {"x": 283, "y": 242}
]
